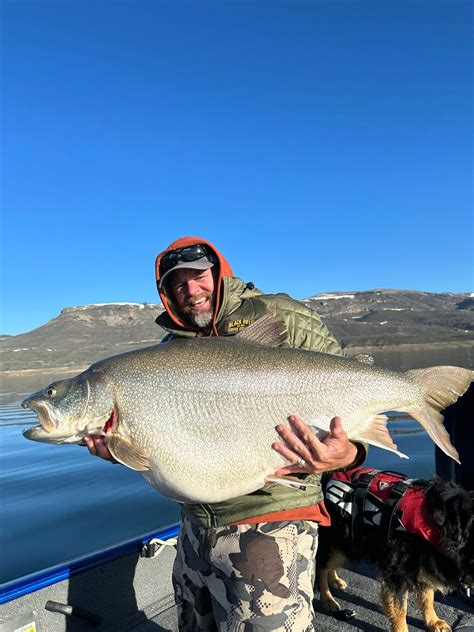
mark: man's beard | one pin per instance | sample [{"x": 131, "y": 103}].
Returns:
[{"x": 201, "y": 319}]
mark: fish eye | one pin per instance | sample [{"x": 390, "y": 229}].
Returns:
[{"x": 50, "y": 391}]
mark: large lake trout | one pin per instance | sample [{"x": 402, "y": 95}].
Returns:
[{"x": 197, "y": 416}]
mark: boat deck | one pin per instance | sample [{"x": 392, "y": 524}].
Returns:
[
  {"x": 133, "y": 594},
  {"x": 362, "y": 596}
]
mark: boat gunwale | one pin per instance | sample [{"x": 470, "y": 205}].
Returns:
[{"x": 33, "y": 582}]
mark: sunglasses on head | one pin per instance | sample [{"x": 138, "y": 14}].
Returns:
[{"x": 190, "y": 253}]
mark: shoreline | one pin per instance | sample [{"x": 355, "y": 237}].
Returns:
[
  {"x": 411, "y": 347},
  {"x": 50, "y": 369}
]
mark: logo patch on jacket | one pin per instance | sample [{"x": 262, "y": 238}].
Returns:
[{"x": 237, "y": 325}]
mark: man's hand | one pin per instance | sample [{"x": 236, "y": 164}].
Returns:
[
  {"x": 301, "y": 444},
  {"x": 97, "y": 446}
]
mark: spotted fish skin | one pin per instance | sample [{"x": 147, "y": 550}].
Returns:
[{"x": 197, "y": 416}]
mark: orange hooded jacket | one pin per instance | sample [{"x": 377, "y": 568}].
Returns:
[{"x": 223, "y": 269}]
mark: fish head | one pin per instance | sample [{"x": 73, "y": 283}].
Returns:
[{"x": 69, "y": 409}]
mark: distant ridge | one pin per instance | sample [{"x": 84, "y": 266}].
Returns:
[
  {"x": 382, "y": 317},
  {"x": 81, "y": 335},
  {"x": 374, "y": 318}
]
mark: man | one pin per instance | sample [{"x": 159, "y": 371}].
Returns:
[{"x": 248, "y": 563}]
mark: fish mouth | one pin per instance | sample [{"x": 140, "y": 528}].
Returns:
[
  {"x": 100, "y": 426},
  {"x": 46, "y": 416}
]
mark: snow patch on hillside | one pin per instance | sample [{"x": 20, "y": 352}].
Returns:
[{"x": 324, "y": 297}]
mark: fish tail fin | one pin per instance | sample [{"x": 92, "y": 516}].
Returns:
[
  {"x": 441, "y": 386},
  {"x": 376, "y": 433}
]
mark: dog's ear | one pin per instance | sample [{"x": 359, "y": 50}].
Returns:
[{"x": 452, "y": 510}]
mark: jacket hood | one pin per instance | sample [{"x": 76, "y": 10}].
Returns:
[{"x": 223, "y": 269}]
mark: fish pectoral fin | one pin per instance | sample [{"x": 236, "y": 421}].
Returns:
[
  {"x": 290, "y": 481},
  {"x": 375, "y": 433},
  {"x": 127, "y": 453}
]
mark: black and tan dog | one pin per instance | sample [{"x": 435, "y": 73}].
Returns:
[{"x": 418, "y": 533}]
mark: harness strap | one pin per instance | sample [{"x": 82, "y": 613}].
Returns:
[
  {"x": 357, "y": 522},
  {"x": 397, "y": 492}
]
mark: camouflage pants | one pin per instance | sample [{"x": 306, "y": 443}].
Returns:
[{"x": 246, "y": 578}]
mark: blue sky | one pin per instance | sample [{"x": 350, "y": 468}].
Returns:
[{"x": 323, "y": 146}]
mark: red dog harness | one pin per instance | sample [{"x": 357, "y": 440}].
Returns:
[{"x": 388, "y": 500}]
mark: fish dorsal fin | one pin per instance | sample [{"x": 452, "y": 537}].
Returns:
[
  {"x": 124, "y": 451},
  {"x": 363, "y": 358},
  {"x": 267, "y": 330}
]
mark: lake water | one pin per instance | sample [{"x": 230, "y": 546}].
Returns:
[{"x": 58, "y": 503}]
